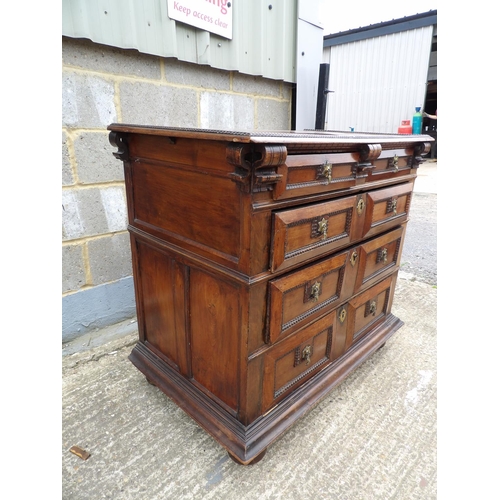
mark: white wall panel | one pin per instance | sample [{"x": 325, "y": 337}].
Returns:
[
  {"x": 377, "y": 82},
  {"x": 264, "y": 39}
]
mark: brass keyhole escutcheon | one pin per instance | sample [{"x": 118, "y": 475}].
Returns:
[
  {"x": 342, "y": 315},
  {"x": 354, "y": 258},
  {"x": 327, "y": 171},
  {"x": 323, "y": 228},
  {"x": 306, "y": 354},
  {"x": 315, "y": 291},
  {"x": 360, "y": 206},
  {"x": 373, "y": 307}
]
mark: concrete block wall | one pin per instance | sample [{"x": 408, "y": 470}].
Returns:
[{"x": 101, "y": 85}]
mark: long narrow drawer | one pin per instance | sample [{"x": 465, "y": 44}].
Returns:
[
  {"x": 301, "y": 296},
  {"x": 295, "y": 360},
  {"x": 364, "y": 311},
  {"x": 307, "y": 174}
]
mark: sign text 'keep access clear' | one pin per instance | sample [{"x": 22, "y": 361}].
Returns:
[{"x": 214, "y": 16}]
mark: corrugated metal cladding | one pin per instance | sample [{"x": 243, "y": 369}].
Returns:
[
  {"x": 264, "y": 39},
  {"x": 377, "y": 82}
]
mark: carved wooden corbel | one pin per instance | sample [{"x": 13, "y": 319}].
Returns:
[
  {"x": 240, "y": 155},
  {"x": 119, "y": 141},
  {"x": 256, "y": 165},
  {"x": 420, "y": 149},
  {"x": 367, "y": 154}
]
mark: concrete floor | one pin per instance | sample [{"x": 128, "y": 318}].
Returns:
[{"x": 372, "y": 437}]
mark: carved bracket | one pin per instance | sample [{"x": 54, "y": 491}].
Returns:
[
  {"x": 256, "y": 165},
  {"x": 119, "y": 141},
  {"x": 420, "y": 149},
  {"x": 367, "y": 154}
]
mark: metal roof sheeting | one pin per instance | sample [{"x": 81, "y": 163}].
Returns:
[
  {"x": 264, "y": 39},
  {"x": 377, "y": 82},
  {"x": 379, "y": 29}
]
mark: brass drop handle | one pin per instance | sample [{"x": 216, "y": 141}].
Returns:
[
  {"x": 395, "y": 162},
  {"x": 393, "y": 205},
  {"x": 384, "y": 254},
  {"x": 354, "y": 258},
  {"x": 315, "y": 291},
  {"x": 306, "y": 354},
  {"x": 373, "y": 307},
  {"x": 327, "y": 171},
  {"x": 323, "y": 228}
]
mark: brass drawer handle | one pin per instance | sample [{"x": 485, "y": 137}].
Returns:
[
  {"x": 327, "y": 171},
  {"x": 306, "y": 354},
  {"x": 382, "y": 255},
  {"x": 395, "y": 163},
  {"x": 315, "y": 291},
  {"x": 323, "y": 228},
  {"x": 392, "y": 205},
  {"x": 354, "y": 258},
  {"x": 371, "y": 308}
]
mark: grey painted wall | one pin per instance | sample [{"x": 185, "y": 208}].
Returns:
[{"x": 101, "y": 85}]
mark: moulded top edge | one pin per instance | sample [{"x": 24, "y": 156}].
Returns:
[{"x": 276, "y": 136}]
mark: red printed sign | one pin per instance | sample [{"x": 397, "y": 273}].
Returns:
[{"x": 215, "y": 16}]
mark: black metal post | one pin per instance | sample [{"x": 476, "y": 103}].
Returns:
[{"x": 324, "y": 74}]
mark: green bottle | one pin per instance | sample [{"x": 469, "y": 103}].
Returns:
[{"x": 416, "y": 127}]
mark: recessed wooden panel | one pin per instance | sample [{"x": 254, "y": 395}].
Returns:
[
  {"x": 215, "y": 332},
  {"x": 157, "y": 285},
  {"x": 160, "y": 199},
  {"x": 301, "y": 296}
]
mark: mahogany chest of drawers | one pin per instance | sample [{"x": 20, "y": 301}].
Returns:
[{"x": 264, "y": 266}]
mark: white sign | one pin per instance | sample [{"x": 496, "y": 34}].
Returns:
[{"x": 215, "y": 16}]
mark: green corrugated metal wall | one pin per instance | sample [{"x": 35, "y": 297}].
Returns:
[{"x": 264, "y": 39}]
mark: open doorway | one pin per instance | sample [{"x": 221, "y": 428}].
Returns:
[{"x": 429, "y": 125}]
